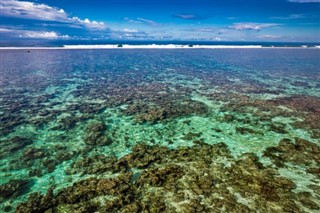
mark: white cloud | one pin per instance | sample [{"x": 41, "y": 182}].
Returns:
[
  {"x": 31, "y": 10},
  {"x": 207, "y": 30},
  {"x": 217, "y": 39},
  {"x": 270, "y": 36},
  {"x": 194, "y": 17},
  {"x": 90, "y": 24},
  {"x": 149, "y": 22},
  {"x": 292, "y": 16},
  {"x": 304, "y": 1},
  {"x": 33, "y": 34},
  {"x": 132, "y": 21},
  {"x": 4, "y": 30},
  {"x": 142, "y": 21},
  {"x": 252, "y": 26},
  {"x": 129, "y": 31}
]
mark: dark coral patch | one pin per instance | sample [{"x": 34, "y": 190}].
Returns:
[
  {"x": 14, "y": 188},
  {"x": 95, "y": 134}
]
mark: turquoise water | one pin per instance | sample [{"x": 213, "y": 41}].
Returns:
[{"x": 96, "y": 126}]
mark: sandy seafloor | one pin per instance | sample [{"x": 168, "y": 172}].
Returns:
[{"x": 160, "y": 130}]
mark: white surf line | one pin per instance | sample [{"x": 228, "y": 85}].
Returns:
[
  {"x": 158, "y": 46},
  {"x": 152, "y": 46}
]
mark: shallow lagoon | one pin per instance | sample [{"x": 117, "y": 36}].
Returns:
[{"x": 186, "y": 130}]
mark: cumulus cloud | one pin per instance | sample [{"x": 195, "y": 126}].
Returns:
[
  {"x": 252, "y": 26},
  {"x": 90, "y": 24},
  {"x": 43, "y": 12},
  {"x": 190, "y": 17},
  {"x": 304, "y": 1},
  {"x": 33, "y": 34}
]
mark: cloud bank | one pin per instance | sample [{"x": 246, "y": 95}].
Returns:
[
  {"x": 43, "y": 12},
  {"x": 252, "y": 26},
  {"x": 33, "y": 34}
]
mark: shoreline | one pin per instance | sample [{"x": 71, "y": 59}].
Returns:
[{"x": 154, "y": 46}]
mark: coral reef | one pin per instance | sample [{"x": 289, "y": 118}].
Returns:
[
  {"x": 13, "y": 144},
  {"x": 297, "y": 106},
  {"x": 203, "y": 178},
  {"x": 84, "y": 121},
  {"x": 299, "y": 152},
  {"x": 165, "y": 109},
  {"x": 96, "y": 164},
  {"x": 151, "y": 116},
  {"x": 94, "y": 135},
  {"x": 14, "y": 188}
]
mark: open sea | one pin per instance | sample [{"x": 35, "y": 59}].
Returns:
[{"x": 160, "y": 130}]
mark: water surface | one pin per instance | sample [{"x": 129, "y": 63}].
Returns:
[{"x": 191, "y": 130}]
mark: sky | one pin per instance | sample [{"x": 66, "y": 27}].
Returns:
[{"x": 186, "y": 20}]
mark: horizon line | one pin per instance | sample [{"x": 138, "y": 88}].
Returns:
[{"x": 153, "y": 46}]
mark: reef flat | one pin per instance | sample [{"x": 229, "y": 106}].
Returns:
[{"x": 151, "y": 130}]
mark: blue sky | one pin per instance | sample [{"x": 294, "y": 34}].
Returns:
[{"x": 201, "y": 20}]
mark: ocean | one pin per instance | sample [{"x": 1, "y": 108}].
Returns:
[
  {"x": 160, "y": 130},
  {"x": 60, "y": 43}
]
